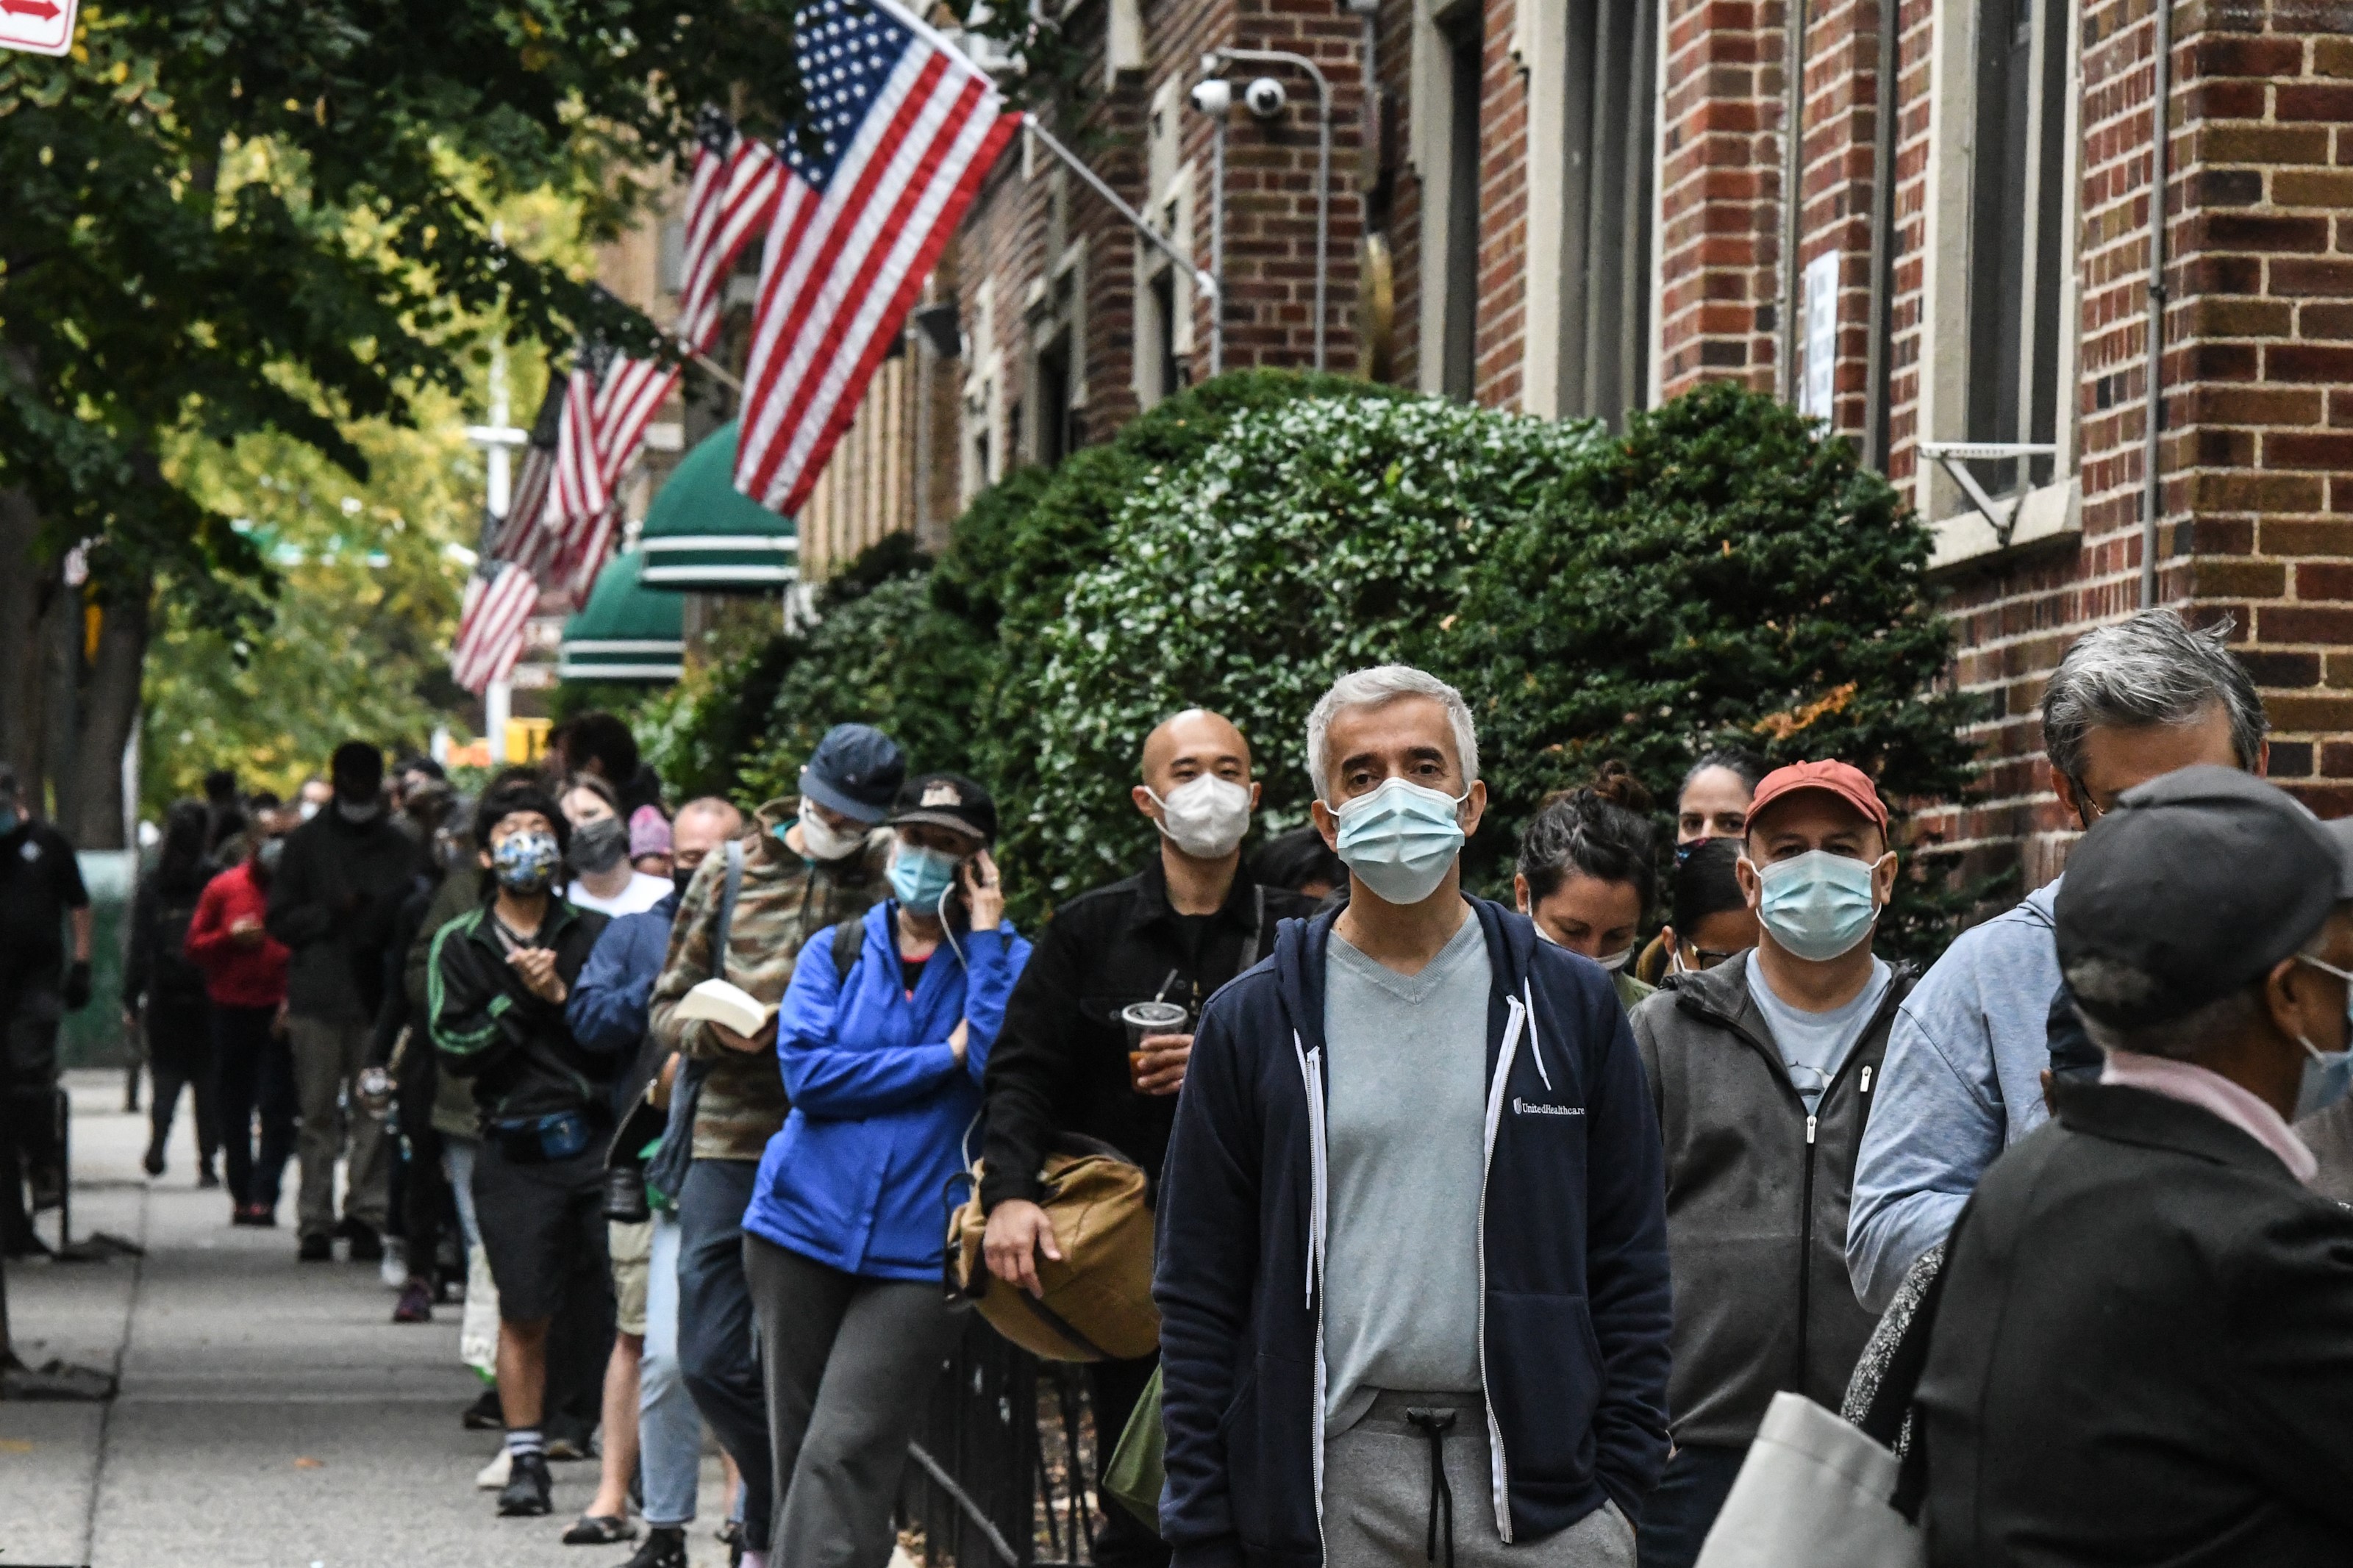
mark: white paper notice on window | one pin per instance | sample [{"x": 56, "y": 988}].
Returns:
[{"x": 1821, "y": 335}]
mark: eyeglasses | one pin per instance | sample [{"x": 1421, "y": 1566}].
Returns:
[
  {"x": 2089, "y": 809},
  {"x": 1705, "y": 958}
]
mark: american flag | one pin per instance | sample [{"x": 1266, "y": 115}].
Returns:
[
  {"x": 490, "y": 625},
  {"x": 904, "y": 128},
  {"x": 518, "y": 536},
  {"x": 734, "y": 193},
  {"x": 577, "y": 489}
]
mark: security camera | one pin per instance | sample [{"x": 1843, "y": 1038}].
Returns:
[
  {"x": 1265, "y": 97},
  {"x": 1214, "y": 97}
]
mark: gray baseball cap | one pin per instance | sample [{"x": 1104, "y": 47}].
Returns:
[{"x": 2193, "y": 886}]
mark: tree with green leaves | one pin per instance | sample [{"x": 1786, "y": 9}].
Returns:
[{"x": 276, "y": 215}]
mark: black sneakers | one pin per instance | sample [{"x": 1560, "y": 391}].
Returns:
[
  {"x": 486, "y": 1413},
  {"x": 663, "y": 1547},
  {"x": 527, "y": 1487},
  {"x": 366, "y": 1245},
  {"x": 316, "y": 1249}
]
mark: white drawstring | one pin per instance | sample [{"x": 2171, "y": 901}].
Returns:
[{"x": 1535, "y": 1043}]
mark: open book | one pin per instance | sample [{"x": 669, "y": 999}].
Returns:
[{"x": 725, "y": 1002}]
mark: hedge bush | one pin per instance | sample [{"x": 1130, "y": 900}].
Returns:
[{"x": 1308, "y": 540}]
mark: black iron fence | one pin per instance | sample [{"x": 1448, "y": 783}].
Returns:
[{"x": 1000, "y": 1474}]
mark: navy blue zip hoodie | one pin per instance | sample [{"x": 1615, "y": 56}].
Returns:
[{"x": 1576, "y": 1303}]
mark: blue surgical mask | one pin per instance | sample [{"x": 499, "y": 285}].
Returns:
[
  {"x": 1400, "y": 839},
  {"x": 1818, "y": 905},
  {"x": 2327, "y": 1075},
  {"x": 922, "y": 876}
]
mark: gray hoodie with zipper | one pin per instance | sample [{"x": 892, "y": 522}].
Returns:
[{"x": 1757, "y": 1203}]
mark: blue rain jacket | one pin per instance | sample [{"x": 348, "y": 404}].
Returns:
[{"x": 859, "y": 1177}]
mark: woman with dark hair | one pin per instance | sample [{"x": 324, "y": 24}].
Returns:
[
  {"x": 1713, "y": 800},
  {"x": 1588, "y": 869},
  {"x": 165, "y": 989}
]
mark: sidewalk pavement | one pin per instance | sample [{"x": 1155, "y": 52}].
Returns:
[{"x": 271, "y": 1414}]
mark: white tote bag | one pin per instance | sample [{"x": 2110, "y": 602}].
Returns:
[{"x": 1813, "y": 1493}]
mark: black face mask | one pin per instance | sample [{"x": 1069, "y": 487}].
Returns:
[
  {"x": 598, "y": 846},
  {"x": 679, "y": 877}
]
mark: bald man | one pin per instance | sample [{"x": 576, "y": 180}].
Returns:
[{"x": 1185, "y": 924}]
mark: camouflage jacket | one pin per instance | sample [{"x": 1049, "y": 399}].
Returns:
[{"x": 783, "y": 903}]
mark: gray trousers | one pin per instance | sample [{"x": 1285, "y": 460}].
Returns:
[
  {"x": 328, "y": 1056},
  {"x": 848, "y": 1362},
  {"x": 1378, "y": 1499}
]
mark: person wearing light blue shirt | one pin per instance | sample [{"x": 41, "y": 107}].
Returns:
[{"x": 1970, "y": 1045}]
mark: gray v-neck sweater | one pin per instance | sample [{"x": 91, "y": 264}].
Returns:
[{"x": 1406, "y": 1060}]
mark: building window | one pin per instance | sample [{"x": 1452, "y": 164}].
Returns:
[
  {"x": 1163, "y": 327},
  {"x": 1464, "y": 32},
  {"x": 2017, "y": 239},
  {"x": 1605, "y": 287}
]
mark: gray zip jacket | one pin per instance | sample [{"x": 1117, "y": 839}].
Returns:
[{"x": 1757, "y": 1203}]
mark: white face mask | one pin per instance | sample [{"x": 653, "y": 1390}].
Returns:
[
  {"x": 1204, "y": 817},
  {"x": 823, "y": 840}
]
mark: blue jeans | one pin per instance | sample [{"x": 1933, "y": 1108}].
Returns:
[
  {"x": 670, "y": 1429},
  {"x": 715, "y": 1328},
  {"x": 1679, "y": 1514}
]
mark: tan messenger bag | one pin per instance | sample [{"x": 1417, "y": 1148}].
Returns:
[{"x": 1097, "y": 1299}]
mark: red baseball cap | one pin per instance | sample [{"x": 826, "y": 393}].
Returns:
[{"x": 1845, "y": 780}]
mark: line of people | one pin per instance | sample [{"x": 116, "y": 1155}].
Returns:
[{"x": 1456, "y": 1199}]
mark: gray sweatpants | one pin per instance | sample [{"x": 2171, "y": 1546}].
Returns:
[
  {"x": 1378, "y": 1499},
  {"x": 328, "y": 1056},
  {"x": 848, "y": 1362}
]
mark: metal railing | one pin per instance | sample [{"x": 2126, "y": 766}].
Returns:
[{"x": 1000, "y": 1472}]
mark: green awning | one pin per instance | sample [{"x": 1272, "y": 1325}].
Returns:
[
  {"x": 623, "y": 632},
  {"x": 702, "y": 535}
]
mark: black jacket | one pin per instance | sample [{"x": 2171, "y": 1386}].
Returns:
[
  {"x": 332, "y": 901},
  {"x": 2143, "y": 1352},
  {"x": 1061, "y": 1061},
  {"x": 515, "y": 1047},
  {"x": 1758, "y": 1194},
  {"x": 1572, "y": 1258},
  {"x": 156, "y": 971}
]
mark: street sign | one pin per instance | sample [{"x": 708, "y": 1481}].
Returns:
[{"x": 41, "y": 26}]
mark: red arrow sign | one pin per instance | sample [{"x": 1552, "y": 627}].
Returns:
[{"x": 43, "y": 26}]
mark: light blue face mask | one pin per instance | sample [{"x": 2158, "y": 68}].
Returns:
[
  {"x": 2327, "y": 1075},
  {"x": 922, "y": 876},
  {"x": 1400, "y": 840},
  {"x": 1818, "y": 904}
]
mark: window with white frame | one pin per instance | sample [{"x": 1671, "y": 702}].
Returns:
[
  {"x": 1055, "y": 319},
  {"x": 1164, "y": 313},
  {"x": 2019, "y": 218},
  {"x": 984, "y": 413}
]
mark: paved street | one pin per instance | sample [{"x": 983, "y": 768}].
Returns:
[{"x": 271, "y": 1416}]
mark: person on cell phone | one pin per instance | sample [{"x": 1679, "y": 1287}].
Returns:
[{"x": 883, "y": 1035}]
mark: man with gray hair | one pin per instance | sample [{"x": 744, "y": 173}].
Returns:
[
  {"x": 1412, "y": 1223},
  {"x": 1966, "y": 1059}
]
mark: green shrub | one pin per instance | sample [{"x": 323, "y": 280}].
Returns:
[
  {"x": 697, "y": 734},
  {"x": 1311, "y": 538},
  {"x": 881, "y": 653},
  {"x": 1719, "y": 575}
]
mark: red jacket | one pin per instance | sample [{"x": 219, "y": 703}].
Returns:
[{"x": 235, "y": 976}]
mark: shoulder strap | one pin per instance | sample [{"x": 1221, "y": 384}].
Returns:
[
  {"x": 732, "y": 885},
  {"x": 849, "y": 937}
]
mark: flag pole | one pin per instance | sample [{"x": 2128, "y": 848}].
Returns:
[{"x": 1202, "y": 279}]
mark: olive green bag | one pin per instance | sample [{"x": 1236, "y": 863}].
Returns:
[{"x": 1135, "y": 1471}]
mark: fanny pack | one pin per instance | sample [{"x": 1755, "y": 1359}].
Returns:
[{"x": 541, "y": 1139}]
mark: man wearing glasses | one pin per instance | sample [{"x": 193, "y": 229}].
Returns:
[{"x": 2129, "y": 703}]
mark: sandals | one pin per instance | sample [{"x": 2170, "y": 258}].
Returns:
[{"x": 600, "y": 1529}]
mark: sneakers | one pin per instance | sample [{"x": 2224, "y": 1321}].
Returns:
[
  {"x": 527, "y": 1490},
  {"x": 663, "y": 1547},
  {"x": 260, "y": 1215},
  {"x": 393, "y": 1270},
  {"x": 569, "y": 1449},
  {"x": 207, "y": 1177},
  {"x": 316, "y": 1249},
  {"x": 415, "y": 1304},
  {"x": 486, "y": 1415},
  {"x": 493, "y": 1476},
  {"x": 154, "y": 1164},
  {"x": 367, "y": 1247}
]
